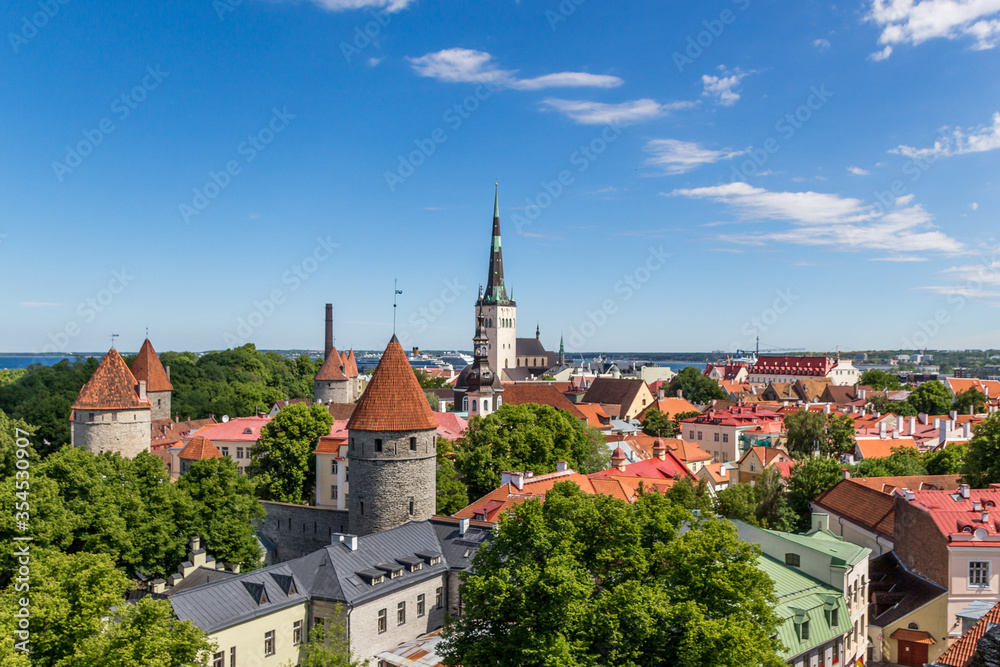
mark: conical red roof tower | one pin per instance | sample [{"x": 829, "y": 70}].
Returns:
[{"x": 393, "y": 400}]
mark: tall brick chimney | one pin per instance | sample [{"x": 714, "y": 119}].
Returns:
[{"x": 329, "y": 331}]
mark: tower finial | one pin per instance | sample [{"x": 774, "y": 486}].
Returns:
[
  {"x": 395, "y": 292},
  {"x": 496, "y": 201},
  {"x": 113, "y": 336}
]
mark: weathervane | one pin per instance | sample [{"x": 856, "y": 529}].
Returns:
[
  {"x": 396, "y": 291},
  {"x": 113, "y": 336}
]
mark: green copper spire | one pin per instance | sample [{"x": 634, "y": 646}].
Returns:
[{"x": 496, "y": 293}]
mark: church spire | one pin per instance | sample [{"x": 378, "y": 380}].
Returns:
[{"x": 496, "y": 293}]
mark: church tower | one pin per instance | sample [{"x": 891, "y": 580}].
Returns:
[
  {"x": 497, "y": 309},
  {"x": 147, "y": 368},
  {"x": 392, "y": 449},
  {"x": 485, "y": 392}
]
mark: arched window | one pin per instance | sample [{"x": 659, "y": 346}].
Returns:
[
  {"x": 792, "y": 560},
  {"x": 913, "y": 626},
  {"x": 499, "y": 400},
  {"x": 465, "y": 404},
  {"x": 473, "y": 406},
  {"x": 486, "y": 406}
]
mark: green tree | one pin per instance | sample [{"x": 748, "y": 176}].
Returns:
[
  {"x": 970, "y": 401},
  {"x": 903, "y": 462},
  {"x": 658, "y": 424},
  {"x": 948, "y": 460},
  {"x": 839, "y": 434},
  {"x": 283, "y": 464},
  {"x": 427, "y": 382},
  {"x": 879, "y": 380},
  {"x": 70, "y": 594},
  {"x": 224, "y": 509},
  {"x": 982, "y": 464},
  {"x": 880, "y": 403},
  {"x": 146, "y": 633},
  {"x": 738, "y": 502},
  {"x": 591, "y": 580},
  {"x": 806, "y": 432},
  {"x": 697, "y": 388},
  {"x": 808, "y": 480},
  {"x": 452, "y": 495},
  {"x": 931, "y": 398},
  {"x": 597, "y": 456},
  {"x": 690, "y": 495},
  {"x": 328, "y": 645},
  {"x": 520, "y": 438},
  {"x": 432, "y": 400}
]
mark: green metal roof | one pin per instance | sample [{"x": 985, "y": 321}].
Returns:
[
  {"x": 843, "y": 553},
  {"x": 800, "y": 598}
]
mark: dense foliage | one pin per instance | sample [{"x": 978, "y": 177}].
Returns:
[
  {"x": 128, "y": 510},
  {"x": 526, "y": 437},
  {"x": 592, "y": 580},
  {"x": 931, "y": 398},
  {"x": 808, "y": 431},
  {"x": 452, "y": 494},
  {"x": 879, "y": 380},
  {"x": 982, "y": 464},
  {"x": 696, "y": 388},
  {"x": 283, "y": 464},
  {"x": 763, "y": 503}
]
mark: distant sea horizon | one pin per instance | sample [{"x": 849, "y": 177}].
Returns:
[{"x": 23, "y": 361}]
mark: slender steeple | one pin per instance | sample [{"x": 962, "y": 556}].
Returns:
[
  {"x": 496, "y": 293},
  {"x": 562, "y": 351}
]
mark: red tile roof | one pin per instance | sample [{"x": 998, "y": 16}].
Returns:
[
  {"x": 147, "y": 367},
  {"x": 393, "y": 399},
  {"x": 200, "y": 448},
  {"x": 961, "y": 652},
  {"x": 958, "y": 520},
  {"x": 670, "y": 468},
  {"x": 542, "y": 393},
  {"x": 237, "y": 429},
  {"x": 860, "y": 505},
  {"x": 913, "y": 482},
  {"x": 332, "y": 369},
  {"x": 794, "y": 366},
  {"x": 111, "y": 387},
  {"x": 341, "y": 410}
]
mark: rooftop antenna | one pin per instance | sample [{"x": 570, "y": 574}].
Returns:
[
  {"x": 113, "y": 336},
  {"x": 396, "y": 292}
]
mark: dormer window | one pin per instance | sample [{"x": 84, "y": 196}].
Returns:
[
  {"x": 247, "y": 431},
  {"x": 792, "y": 560}
]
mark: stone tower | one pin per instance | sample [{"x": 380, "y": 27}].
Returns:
[
  {"x": 392, "y": 449},
  {"x": 485, "y": 392},
  {"x": 331, "y": 383},
  {"x": 112, "y": 412},
  {"x": 147, "y": 368},
  {"x": 497, "y": 309}
]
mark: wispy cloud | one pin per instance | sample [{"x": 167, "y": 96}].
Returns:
[
  {"x": 900, "y": 258},
  {"x": 858, "y": 171},
  {"x": 345, "y": 5},
  {"x": 916, "y": 21},
  {"x": 956, "y": 141},
  {"x": 459, "y": 65},
  {"x": 673, "y": 156},
  {"x": 599, "y": 113},
  {"x": 821, "y": 44},
  {"x": 721, "y": 88},
  {"x": 820, "y": 219},
  {"x": 883, "y": 54}
]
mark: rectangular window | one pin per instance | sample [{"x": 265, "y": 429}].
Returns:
[
  {"x": 725, "y": 437},
  {"x": 805, "y": 630},
  {"x": 333, "y": 467},
  {"x": 979, "y": 573},
  {"x": 378, "y": 444},
  {"x": 421, "y": 605},
  {"x": 269, "y": 643},
  {"x": 437, "y": 598},
  {"x": 401, "y": 613},
  {"x": 716, "y": 437},
  {"x": 753, "y": 467},
  {"x": 413, "y": 444},
  {"x": 382, "y": 615},
  {"x": 835, "y": 617},
  {"x": 699, "y": 435},
  {"x": 219, "y": 659},
  {"x": 690, "y": 435},
  {"x": 239, "y": 452},
  {"x": 232, "y": 656},
  {"x": 792, "y": 560},
  {"x": 224, "y": 450},
  {"x": 297, "y": 633},
  {"x": 333, "y": 492}
]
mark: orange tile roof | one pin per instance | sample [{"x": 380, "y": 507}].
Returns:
[
  {"x": 767, "y": 455},
  {"x": 989, "y": 387},
  {"x": 147, "y": 367},
  {"x": 393, "y": 400},
  {"x": 332, "y": 369},
  {"x": 861, "y": 505},
  {"x": 111, "y": 387},
  {"x": 687, "y": 451},
  {"x": 913, "y": 482},
  {"x": 915, "y": 636},
  {"x": 200, "y": 448},
  {"x": 961, "y": 652},
  {"x": 715, "y": 471},
  {"x": 594, "y": 413},
  {"x": 877, "y": 448},
  {"x": 542, "y": 393}
]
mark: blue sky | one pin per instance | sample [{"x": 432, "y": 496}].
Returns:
[{"x": 673, "y": 176}]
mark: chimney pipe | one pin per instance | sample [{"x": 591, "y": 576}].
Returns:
[
  {"x": 845, "y": 473},
  {"x": 463, "y": 526},
  {"x": 913, "y": 425},
  {"x": 142, "y": 390},
  {"x": 986, "y": 515},
  {"x": 562, "y": 466},
  {"x": 329, "y": 331},
  {"x": 966, "y": 430},
  {"x": 964, "y": 491}
]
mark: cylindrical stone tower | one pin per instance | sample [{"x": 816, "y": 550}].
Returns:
[{"x": 392, "y": 449}]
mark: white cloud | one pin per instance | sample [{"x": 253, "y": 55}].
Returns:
[
  {"x": 821, "y": 44},
  {"x": 974, "y": 206},
  {"x": 458, "y": 65},
  {"x": 900, "y": 258},
  {"x": 374, "y": 62},
  {"x": 916, "y": 21},
  {"x": 721, "y": 87},
  {"x": 878, "y": 56},
  {"x": 599, "y": 113},
  {"x": 344, "y": 5},
  {"x": 858, "y": 171},
  {"x": 821, "y": 219},
  {"x": 679, "y": 157},
  {"x": 957, "y": 141}
]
